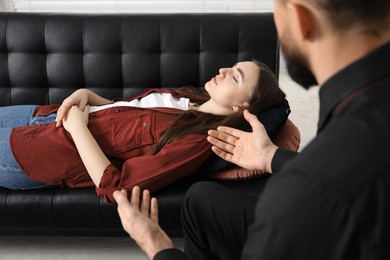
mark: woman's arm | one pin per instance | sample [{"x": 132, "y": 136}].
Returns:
[
  {"x": 80, "y": 98},
  {"x": 95, "y": 161},
  {"x": 174, "y": 161}
]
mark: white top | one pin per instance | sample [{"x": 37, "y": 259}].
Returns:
[{"x": 152, "y": 100}]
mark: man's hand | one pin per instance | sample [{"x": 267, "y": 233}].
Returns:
[
  {"x": 141, "y": 221},
  {"x": 253, "y": 151}
]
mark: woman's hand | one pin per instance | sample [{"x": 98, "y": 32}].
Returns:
[
  {"x": 76, "y": 118},
  {"x": 78, "y": 98},
  {"x": 140, "y": 221},
  {"x": 253, "y": 151},
  {"x": 94, "y": 159}
]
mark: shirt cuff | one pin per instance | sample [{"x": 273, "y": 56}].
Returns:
[
  {"x": 170, "y": 254},
  {"x": 280, "y": 158}
]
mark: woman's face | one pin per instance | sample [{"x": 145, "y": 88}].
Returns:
[{"x": 232, "y": 87}]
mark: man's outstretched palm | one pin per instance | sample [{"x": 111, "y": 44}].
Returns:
[{"x": 251, "y": 150}]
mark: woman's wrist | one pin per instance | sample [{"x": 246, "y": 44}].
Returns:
[{"x": 77, "y": 128}]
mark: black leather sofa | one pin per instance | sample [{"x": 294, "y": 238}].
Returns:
[{"x": 45, "y": 57}]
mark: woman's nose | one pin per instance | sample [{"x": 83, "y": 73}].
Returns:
[{"x": 222, "y": 72}]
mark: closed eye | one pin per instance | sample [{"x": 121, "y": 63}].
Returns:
[{"x": 235, "y": 79}]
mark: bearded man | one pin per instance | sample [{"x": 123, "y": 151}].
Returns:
[{"x": 332, "y": 200}]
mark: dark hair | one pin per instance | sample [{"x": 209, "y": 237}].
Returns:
[
  {"x": 372, "y": 15},
  {"x": 265, "y": 95}
]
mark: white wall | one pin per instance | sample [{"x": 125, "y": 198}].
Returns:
[
  {"x": 3, "y": 6},
  {"x": 141, "y": 6}
]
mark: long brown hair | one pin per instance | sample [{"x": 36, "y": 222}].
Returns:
[{"x": 266, "y": 95}]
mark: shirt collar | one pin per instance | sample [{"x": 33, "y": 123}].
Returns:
[{"x": 361, "y": 72}]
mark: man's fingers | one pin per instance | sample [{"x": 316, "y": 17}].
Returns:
[
  {"x": 124, "y": 206},
  {"x": 223, "y": 136},
  {"x": 135, "y": 194},
  {"x": 225, "y": 147},
  {"x": 145, "y": 205},
  {"x": 154, "y": 210},
  {"x": 223, "y": 141},
  {"x": 224, "y": 155},
  {"x": 228, "y": 131},
  {"x": 252, "y": 120},
  {"x": 120, "y": 196}
]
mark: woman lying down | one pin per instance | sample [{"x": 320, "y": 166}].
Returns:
[{"x": 150, "y": 140}]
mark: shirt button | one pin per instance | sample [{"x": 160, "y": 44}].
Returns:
[
  {"x": 144, "y": 124},
  {"x": 117, "y": 110}
]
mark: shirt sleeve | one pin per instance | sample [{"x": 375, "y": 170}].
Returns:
[
  {"x": 174, "y": 161},
  {"x": 296, "y": 218},
  {"x": 170, "y": 254},
  {"x": 280, "y": 158}
]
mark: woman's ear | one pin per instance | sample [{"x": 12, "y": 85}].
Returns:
[
  {"x": 236, "y": 108},
  {"x": 240, "y": 107}
]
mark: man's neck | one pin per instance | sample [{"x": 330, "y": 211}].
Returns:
[{"x": 336, "y": 53}]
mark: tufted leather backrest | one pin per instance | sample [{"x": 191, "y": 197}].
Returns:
[{"x": 45, "y": 57}]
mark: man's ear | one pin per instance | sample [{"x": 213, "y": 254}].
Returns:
[{"x": 304, "y": 19}]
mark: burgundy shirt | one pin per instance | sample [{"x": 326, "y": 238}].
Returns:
[{"x": 126, "y": 135}]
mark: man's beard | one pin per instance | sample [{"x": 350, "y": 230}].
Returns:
[{"x": 298, "y": 68}]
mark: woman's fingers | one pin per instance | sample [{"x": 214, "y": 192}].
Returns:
[
  {"x": 82, "y": 104},
  {"x": 61, "y": 114},
  {"x": 68, "y": 103}
]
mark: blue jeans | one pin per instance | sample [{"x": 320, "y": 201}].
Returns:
[{"x": 11, "y": 175}]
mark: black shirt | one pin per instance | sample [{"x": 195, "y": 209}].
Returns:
[{"x": 332, "y": 201}]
